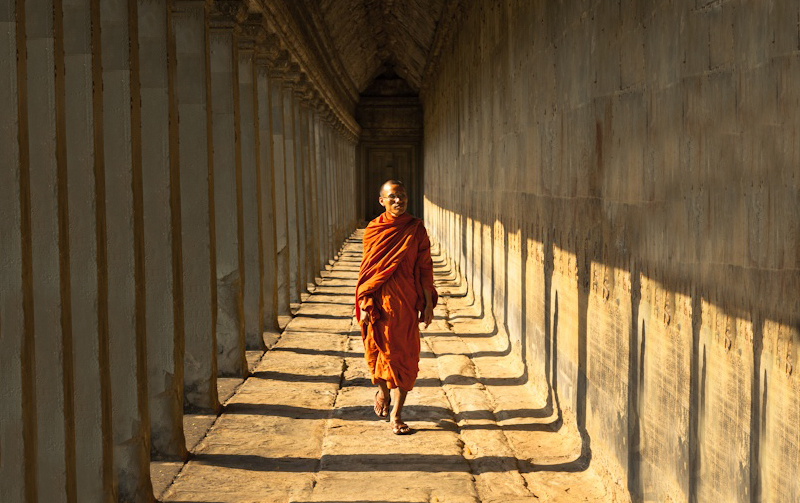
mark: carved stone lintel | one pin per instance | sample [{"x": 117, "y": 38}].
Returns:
[{"x": 227, "y": 14}]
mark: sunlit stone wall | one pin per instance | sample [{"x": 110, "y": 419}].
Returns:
[{"x": 619, "y": 184}]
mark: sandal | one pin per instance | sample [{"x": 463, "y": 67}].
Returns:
[
  {"x": 401, "y": 428},
  {"x": 382, "y": 405}
]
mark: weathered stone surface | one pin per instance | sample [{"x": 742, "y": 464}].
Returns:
[
  {"x": 15, "y": 360},
  {"x": 228, "y": 212},
  {"x": 87, "y": 294},
  {"x": 127, "y": 354},
  {"x": 47, "y": 195},
  {"x": 164, "y": 321},
  {"x": 613, "y": 180},
  {"x": 252, "y": 200},
  {"x": 190, "y": 24}
]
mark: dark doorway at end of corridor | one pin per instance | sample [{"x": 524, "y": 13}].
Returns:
[{"x": 390, "y": 115}]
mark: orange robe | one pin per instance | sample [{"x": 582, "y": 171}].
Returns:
[{"x": 395, "y": 271}]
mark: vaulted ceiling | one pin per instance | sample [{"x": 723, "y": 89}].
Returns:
[{"x": 369, "y": 37}]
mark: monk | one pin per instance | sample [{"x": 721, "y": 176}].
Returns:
[{"x": 394, "y": 294}]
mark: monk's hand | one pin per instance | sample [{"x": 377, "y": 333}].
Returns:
[{"x": 427, "y": 316}]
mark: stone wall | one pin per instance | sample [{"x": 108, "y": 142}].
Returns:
[
  {"x": 619, "y": 184},
  {"x": 154, "y": 156}
]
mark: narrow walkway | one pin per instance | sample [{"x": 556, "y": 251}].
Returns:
[{"x": 302, "y": 429}]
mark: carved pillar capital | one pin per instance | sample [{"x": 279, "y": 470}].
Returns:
[
  {"x": 301, "y": 87},
  {"x": 187, "y": 6},
  {"x": 317, "y": 103},
  {"x": 268, "y": 50},
  {"x": 279, "y": 66},
  {"x": 227, "y": 14},
  {"x": 252, "y": 33},
  {"x": 291, "y": 75}
]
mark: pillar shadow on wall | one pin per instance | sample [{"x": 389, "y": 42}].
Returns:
[
  {"x": 697, "y": 384},
  {"x": 550, "y": 342},
  {"x": 582, "y": 462},
  {"x": 583, "y": 338},
  {"x": 635, "y": 385},
  {"x": 523, "y": 304},
  {"x": 757, "y": 412}
]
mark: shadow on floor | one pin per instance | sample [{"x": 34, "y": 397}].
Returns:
[
  {"x": 413, "y": 412},
  {"x": 287, "y": 377},
  {"x": 339, "y": 354},
  {"x": 300, "y": 316},
  {"x": 431, "y": 463}
]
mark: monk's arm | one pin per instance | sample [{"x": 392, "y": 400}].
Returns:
[{"x": 427, "y": 316}]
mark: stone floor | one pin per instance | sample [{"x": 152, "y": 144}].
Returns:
[{"x": 302, "y": 429}]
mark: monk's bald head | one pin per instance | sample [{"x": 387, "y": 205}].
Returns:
[
  {"x": 386, "y": 188},
  {"x": 393, "y": 197}
]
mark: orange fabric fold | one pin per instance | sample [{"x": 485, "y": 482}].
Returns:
[{"x": 396, "y": 270}]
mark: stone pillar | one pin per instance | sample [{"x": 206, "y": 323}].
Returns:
[
  {"x": 162, "y": 239},
  {"x": 351, "y": 182},
  {"x": 330, "y": 188},
  {"x": 337, "y": 141},
  {"x": 314, "y": 142},
  {"x": 278, "y": 128},
  {"x": 308, "y": 183},
  {"x": 301, "y": 155},
  {"x": 341, "y": 220},
  {"x": 289, "y": 129},
  {"x": 121, "y": 150},
  {"x": 322, "y": 186},
  {"x": 325, "y": 184},
  {"x": 335, "y": 189},
  {"x": 49, "y": 279},
  {"x": 224, "y": 55},
  {"x": 266, "y": 54},
  {"x": 16, "y": 358},
  {"x": 124, "y": 243},
  {"x": 190, "y": 25},
  {"x": 315, "y": 261},
  {"x": 252, "y": 196},
  {"x": 88, "y": 291}
]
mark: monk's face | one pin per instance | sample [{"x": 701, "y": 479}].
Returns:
[{"x": 394, "y": 199}]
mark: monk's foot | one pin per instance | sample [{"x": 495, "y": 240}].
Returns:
[
  {"x": 401, "y": 428},
  {"x": 382, "y": 404}
]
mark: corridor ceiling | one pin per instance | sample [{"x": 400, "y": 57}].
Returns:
[{"x": 369, "y": 37}]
